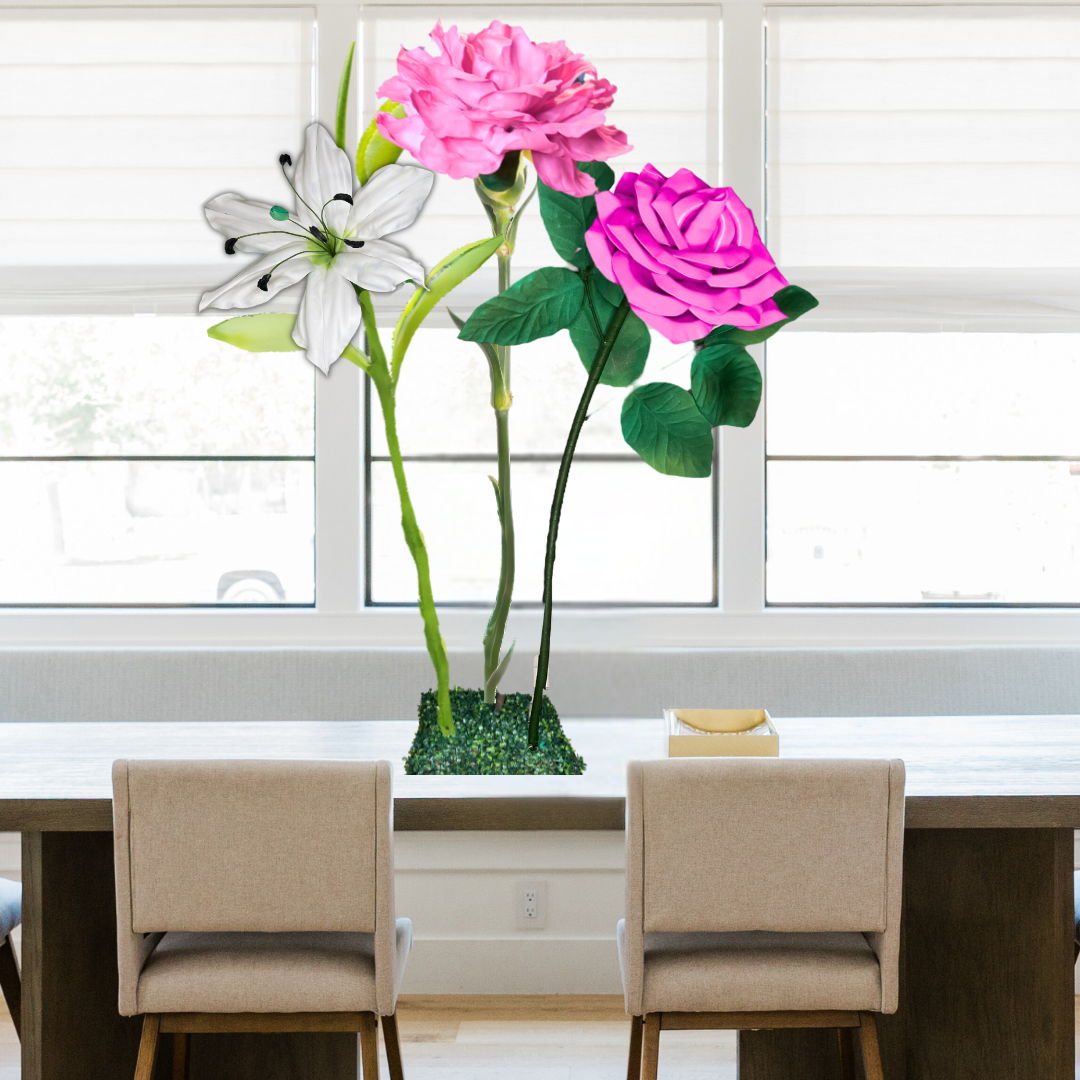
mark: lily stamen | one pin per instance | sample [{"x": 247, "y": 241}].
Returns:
[
  {"x": 297, "y": 193},
  {"x": 230, "y": 244},
  {"x": 264, "y": 281}
]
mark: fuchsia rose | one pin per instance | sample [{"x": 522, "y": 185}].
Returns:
[
  {"x": 688, "y": 256},
  {"x": 494, "y": 92}
]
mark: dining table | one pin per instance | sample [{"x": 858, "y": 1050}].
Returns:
[{"x": 987, "y": 928}]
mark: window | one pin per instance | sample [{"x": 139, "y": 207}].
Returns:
[
  {"x": 914, "y": 166},
  {"x": 921, "y": 168},
  {"x": 141, "y": 462}
]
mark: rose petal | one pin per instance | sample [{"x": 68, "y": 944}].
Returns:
[{"x": 641, "y": 287}]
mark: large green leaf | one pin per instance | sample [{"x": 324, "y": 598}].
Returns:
[
  {"x": 661, "y": 422},
  {"x": 627, "y": 359},
  {"x": 450, "y": 273},
  {"x": 374, "y": 151},
  {"x": 537, "y": 306},
  {"x": 726, "y": 384},
  {"x": 270, "y": 331},
  {"x": 567, "y": 217},
  {"x": 792, "y": 300}
]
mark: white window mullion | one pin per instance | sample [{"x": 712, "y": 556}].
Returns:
[
  {"x": 338, "y": 494},
  {"x": 742, "y": 450}
]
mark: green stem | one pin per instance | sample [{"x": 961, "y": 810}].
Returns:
[
  {"x": 501, "y": 399},
  {"x": 414, "y": 538},
  {"x": 580, "y": 416}
]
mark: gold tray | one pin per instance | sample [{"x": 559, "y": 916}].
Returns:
[{"x": 721, "y": 733}]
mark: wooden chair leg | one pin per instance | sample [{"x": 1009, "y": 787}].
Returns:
[
  {"x": 393, "y": 1047},
  {"x": 180, "y": 1056},
  {"x": 650, "y": 1056},
  {"x": 144, "y": 1069},
  {"x": 633, "y": 1066},
  {"x": 369, "y": 1046},
  {"x": 871, "y": 1051},
  {"x": 11, "y": 982},
  {"x": 847, "y": 1053}
]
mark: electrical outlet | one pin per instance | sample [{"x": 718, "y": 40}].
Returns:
[{"x": 531, "y": 905}]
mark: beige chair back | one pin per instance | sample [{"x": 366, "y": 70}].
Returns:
[
  {"x": 723, "y": 844},
  {"x": 251, "y": 846}
]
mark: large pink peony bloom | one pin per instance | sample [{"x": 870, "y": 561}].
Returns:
[
  {"x": 497, "y": 91},
  {"x": 688, "y": 256}
]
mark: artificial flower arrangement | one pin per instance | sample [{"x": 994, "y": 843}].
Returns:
[{"x": 670, "y": 253}]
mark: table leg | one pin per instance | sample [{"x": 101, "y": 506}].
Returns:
[
  {"x": 986, "y": 979},
  {"x": 71, "y": 1027}
]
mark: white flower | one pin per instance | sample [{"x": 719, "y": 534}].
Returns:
[{"x": 334, "y": 239}]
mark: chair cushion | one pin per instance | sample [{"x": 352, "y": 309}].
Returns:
[
  {"x": 296, "y": 971},
  {"x": 10, "y": 905},
  {"x": 746, "y": 971}
]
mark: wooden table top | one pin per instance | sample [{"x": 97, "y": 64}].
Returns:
[{"x": 962, "y": 771}]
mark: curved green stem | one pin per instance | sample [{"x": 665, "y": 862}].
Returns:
[
  {"x": 597, "y": 369},
  {"x": 414, "y": 538},
  {"x": 501, "y": 399}
]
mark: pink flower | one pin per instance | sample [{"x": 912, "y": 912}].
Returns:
[
  {"x": 688, "y": 256},
  {"x": 494, "y": 92}
]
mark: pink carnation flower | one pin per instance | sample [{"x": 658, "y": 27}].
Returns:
[
  {"x": 688, "y": 256},
  {"x": 494, "y": 92}
]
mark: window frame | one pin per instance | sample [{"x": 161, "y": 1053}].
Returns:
[{"x": 340, "y": 617}]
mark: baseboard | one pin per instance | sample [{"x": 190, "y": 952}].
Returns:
[{"x": 515, "y": 966}]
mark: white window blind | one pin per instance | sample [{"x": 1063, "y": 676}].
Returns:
[
  {"x": 924, "y": 137},
  {"x": 119, "y": 124}
]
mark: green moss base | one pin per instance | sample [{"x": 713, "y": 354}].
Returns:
[{"x": 488, "y": 742}]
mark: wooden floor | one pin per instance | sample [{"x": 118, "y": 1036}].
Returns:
[{"x": 518, "y": 1038}]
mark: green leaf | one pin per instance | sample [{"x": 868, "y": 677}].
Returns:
[
  {"x": 726, "y": 384},
  {"x": 600, "y": 171},
  {"x": 627, "y": 359},
  {"x": 270, "y": 331},
  {"x": 792, "y": 300},
  {"x": 567, "y": 218},
  {"x": 374, "y": 151},
  {"x": 661, "y": 422},
  {"x": 450, "y": 273},
  {"x": 537, "y": 306},
  {"x": 343, "y": 99}
]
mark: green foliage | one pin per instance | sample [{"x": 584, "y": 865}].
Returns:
[
  {"x": 451, "y": 272},
  {"x": 627, "y": 359},
  {"x": 726, "y": 384},
  {"x": 537, "y": 306},
  {"x": 270, "y": 331},
  {"x": 374, "y": 151},
  {"x": 567, "y": 217},
  {"x": 343, "y": 99},
  {"x": 490, "y": 742},
  {"x": 663, "y": 424},
  {"x": 792, "y": 300}
]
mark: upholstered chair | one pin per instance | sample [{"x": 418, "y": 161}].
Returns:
[
  {"x": 257, "y": 896},
  {"x": 10, "y": 917},
  {"x": 762, "y": 893}
]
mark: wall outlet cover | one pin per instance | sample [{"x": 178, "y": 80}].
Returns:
[{"x": 530, "y": 905}]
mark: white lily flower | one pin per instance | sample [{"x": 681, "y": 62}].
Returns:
[{"x": 334, "y": 239}]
